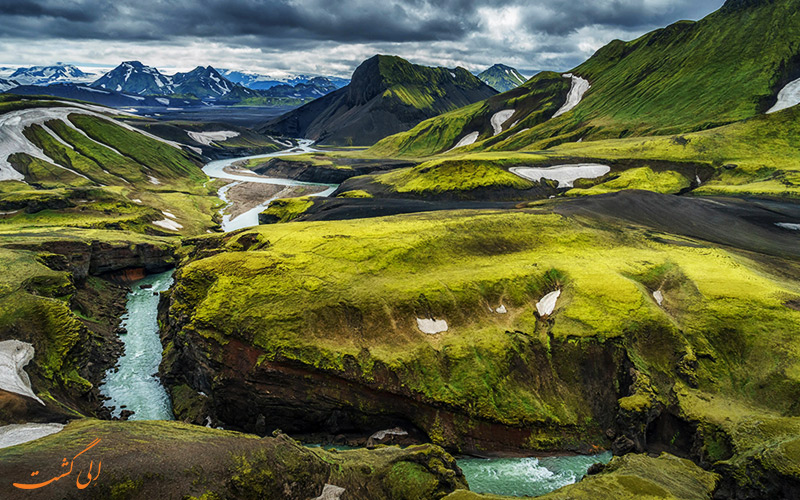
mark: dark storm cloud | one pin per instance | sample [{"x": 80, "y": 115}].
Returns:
[
  {"x": 330, "y": 35},
  {"x": 342, "y": 21},
  {"x": 347, "y": 21}
]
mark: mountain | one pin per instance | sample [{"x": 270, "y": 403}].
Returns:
[
  {"x": 314, "y": 88},
  {"x": 386, "y": 95},
  {"x": 501, "y": 77},
  {"x": 99, "y": 96},
  {"x": 686, "y": 77},
  {"x": 262, "y": 82},
  {"x": 133, "y": 77},
  {"x": 47, "y": 75},
  {"x": 206, "y": 82},
  {"x": 6, "y": 85}
]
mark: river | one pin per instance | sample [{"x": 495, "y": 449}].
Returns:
[
  {"x": 217, "y": 168},
  {"x": 135, "y": 384}
]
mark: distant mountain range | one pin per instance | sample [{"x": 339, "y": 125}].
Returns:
[
  {"x": 262, "y": 82},
  {"x": 135, "y": 84},
  {"x": 502, "y": 78},
  {"x": 48, "y": 75},
  {"x": 386, "y": 95}
]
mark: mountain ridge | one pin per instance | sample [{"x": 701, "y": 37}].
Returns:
[{"x": 386, "y": 94}]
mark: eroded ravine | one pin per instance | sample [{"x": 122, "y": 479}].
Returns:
[{"x": 134, "y": 385}]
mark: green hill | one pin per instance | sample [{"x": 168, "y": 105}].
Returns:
[
  {"x": 686, "y": 77},
  {"x": 386, "y": 95}
]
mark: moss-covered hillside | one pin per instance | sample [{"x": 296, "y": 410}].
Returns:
[
  {"x": 386, "y": 95},
  {"x": 96, "y": 172},
  {"x": 145, "y": 460},
  {"x": 686, "y": 77},
  {"x": 298, "y": 321}
]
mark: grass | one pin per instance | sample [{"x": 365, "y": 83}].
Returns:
[
  {"x": 288, "y": 209},
  {"x": 637, "y": 178},
  {"x": 451, "y": 175},
  {"x": 361, "y": 286}
]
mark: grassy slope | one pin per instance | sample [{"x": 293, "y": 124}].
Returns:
[
  {"x": 723, "y": 326},
  {"x": 144, "y": 460},
  {"x": 534, "y": 103},
  {"x": 114, "y": 177},
  {"x": 686, "y": 77}
]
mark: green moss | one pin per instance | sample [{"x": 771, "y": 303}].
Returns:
[
  {"x": 357, "y": 193},
  {"x": 637, "y": 178},
  {"x": 288, "y": 209},
  {"x": 451, "y": 175},
  {"x": 410, "y": 481}
]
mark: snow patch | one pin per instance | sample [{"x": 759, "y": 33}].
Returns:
[
  {"x": 548, "y": 303},
  {"x": 168, "y": 224},
  {"x": 153, "y": 180},
  {"x": 466, "y": 140},
  {"x": 381, "y": 435},
  {"x": 659, "y": 296},
  {"x": 206, "y": 138},
  {"x": 431, "y": 326},
  {"x": 787, "y": 97},
  {"x": 163, "y": 101},
  {"x": 14, "y": 434},
  {"x": 501, "y": 310},
  {"x": 330, "y": 492},
  {"x": 564, "y": 174},
  {"x": 14, "y": 355},
  {"x": 499, "y": 118},
  {"x": 168, "y": 214},
  {"x": 575, "y": 95},
  {"x": 788, "y": 225}
]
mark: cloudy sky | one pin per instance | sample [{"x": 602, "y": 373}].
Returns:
[{"x": 327, "y": 37}]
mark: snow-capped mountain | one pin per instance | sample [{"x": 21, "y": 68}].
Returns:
[
  {"x": 206, "y": 82},
  {"x": 262, "y": 82},
  {"x": 6, "y": 85},
  {"x": 133, "y": 77},
  {"x": 502, "y": 78},
  {"x": 47, "y": 75}
]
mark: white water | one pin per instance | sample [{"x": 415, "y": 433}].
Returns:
[
  {"x": 250, "y": 218},
  {"x": 135, "y": 385},
  {"x": 526, "y": 476}
]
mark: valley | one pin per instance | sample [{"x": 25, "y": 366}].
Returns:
[{"x": 419, "y": 284}]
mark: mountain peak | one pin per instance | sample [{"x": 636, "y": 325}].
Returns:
[{"x": 501, "y": 77}]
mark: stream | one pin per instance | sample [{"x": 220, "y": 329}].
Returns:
[
  {"x": 216, "y": 169},
  {"x": 135, "y": 384}
]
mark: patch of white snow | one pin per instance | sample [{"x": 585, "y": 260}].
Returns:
[
  {"x": 431, "y": 326},
  {"x": 499, "y": 118},
  {"x": 14, "y": 355},
  {"x": 788, "y": 225},
  {"x": 787, "y": 97},
  {"x": 466, "y": 140},
  {"x": 576, "y": 92},
  {"x": 501, "y": 310},
  {"x": 330, "y": 492},
  {"x": 564, "y": 174},
  {"x": 659, "y": 296},
  {"x": 548, "y": 303},
  {"x": 168, "y": 224},
  {"x": 14, "y": 434},
  {"x": 206, "y": 138}
]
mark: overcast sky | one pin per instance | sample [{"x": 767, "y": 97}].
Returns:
[{"x": 328, "y": 37}]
